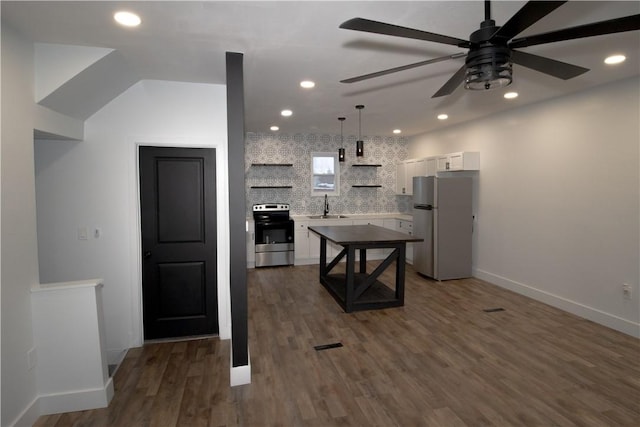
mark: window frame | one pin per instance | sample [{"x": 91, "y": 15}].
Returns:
[{"x": 336, "y": 175}]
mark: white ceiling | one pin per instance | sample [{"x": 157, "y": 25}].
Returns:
[{"x": 286, "y": 42}]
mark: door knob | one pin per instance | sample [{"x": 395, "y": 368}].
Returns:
[{"x": 147, "y": 255}]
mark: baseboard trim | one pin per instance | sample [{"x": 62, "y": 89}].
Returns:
[
  {"x": 116, "y": 356},
  {"x": 28, "y": 417},
  {"x": 239, "y": 375},
  {"x": 74, "y": 401},
  {"x": 586, "y": 312}
]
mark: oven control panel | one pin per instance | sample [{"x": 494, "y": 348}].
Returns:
[{"x": 266, "y": 207}]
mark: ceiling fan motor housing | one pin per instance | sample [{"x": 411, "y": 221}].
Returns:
[{"x": 488, "y": 61}]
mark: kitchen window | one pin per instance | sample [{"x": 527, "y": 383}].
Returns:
[{"x": 325, "y": 174}]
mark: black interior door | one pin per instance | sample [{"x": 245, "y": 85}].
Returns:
[{"x": 179, "y": 283}]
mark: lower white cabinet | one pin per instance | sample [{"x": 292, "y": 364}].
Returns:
[
  {"x": 307, "y": 243},
  {"x": 406, "y": 227},
  {"x": 251, "y": 243},
  {"x": 301, "y": 240},
  {"x": 332, "y": 248}
]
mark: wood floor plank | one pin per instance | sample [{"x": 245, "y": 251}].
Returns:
[{"x": 440, "y": 360}]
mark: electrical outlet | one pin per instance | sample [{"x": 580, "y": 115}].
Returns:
[{"x": 626, "y": 291}]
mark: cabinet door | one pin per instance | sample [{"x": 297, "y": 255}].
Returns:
[
  {"x": 401, "y": 178},
  {"x": 420, "y": 168},
  {"x": 461, "y": 161},
  {"x": 332, "y": 248},
  {"x": 251, "y": 244},
  {"x": 456, "y": 162},
  {"x": 431, "y": 166},
  {"x": 443, "y": 163},
  {"x": 301, "y": 242},
  {"x": 314, "y": 246},
  {"x": 410, "y": 173},
  {"x": 406, "y": 227}
]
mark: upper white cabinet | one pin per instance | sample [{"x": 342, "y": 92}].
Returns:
[
  {"x": 401, "y": 178},
  {"x": 406, "y": 171},
  {"x": 431, "y": 166},
  {"x": 461, "y": 161}
]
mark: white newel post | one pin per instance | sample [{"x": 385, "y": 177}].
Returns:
[{"x": 71, "y": 363}]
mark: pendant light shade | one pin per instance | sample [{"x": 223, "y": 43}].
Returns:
[
  {"x": 359, "y": 142},
  {"x": 341, "y": 149}
]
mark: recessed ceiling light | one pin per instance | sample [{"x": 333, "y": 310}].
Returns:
[
  {"x": 442, "y": 117},
  {"x": 307, "y": 84},
  {"x": 286, "y": 113},
  {"x": 274, "y": 128},
  {"x": 511, "y": 95},
  {"x": 128, "y": 19},
  {"x": 615, "y": 59},
  {"x": 397, "y": 131}
]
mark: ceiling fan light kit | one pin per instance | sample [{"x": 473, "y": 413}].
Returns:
[
  {"x": 488, "y": 68},
  {"x": 489, "y": 61}
]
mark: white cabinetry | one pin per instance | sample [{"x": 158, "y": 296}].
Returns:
[
  {"x": 401, "y": 178},
  {"x": 431, "y": 166},
  {"x": 406, "y": 227},
  {"x": 332, "y": 248},
  {"x": 251, "y": 243},
  {"x": 461, "y": 161},
  {"x": 301, "y": 240},
  {"x": 405, "y": 172},
  {"x": 307, "y": 243}
]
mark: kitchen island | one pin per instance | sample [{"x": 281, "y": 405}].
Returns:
[{"x": 361, "y": 290}]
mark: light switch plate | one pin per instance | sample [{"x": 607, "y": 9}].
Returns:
[{"x": 83, "y": 233}]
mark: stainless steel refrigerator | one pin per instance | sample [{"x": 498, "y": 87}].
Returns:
[{"x": 442, "y": 216}]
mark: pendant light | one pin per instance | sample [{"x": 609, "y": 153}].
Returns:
[
  {"x": 359, "y": 142},
  {"x": 341, "y": 149}
]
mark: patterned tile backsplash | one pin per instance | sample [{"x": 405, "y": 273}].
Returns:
[{"x": 296, "y": 150}]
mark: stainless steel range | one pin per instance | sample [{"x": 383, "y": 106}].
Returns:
[{"x": 274, "y": 234}]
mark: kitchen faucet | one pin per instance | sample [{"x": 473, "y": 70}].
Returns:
[{"x": 326, "y": 206}]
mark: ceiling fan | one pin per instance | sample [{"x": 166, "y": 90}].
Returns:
[{"x": 488, "y": 62}]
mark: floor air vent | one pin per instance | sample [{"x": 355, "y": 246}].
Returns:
[
  {"x": 327, "y": 346},
  {"x": 493, "y": 310}
]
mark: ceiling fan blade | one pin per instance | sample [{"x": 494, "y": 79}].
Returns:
[
  {"x": 611, "y": 26},
  {"x": 402, "y": 68},
  {"x": 528, "y": 15},
  {"x": 452, "y": 83},
  {"x": 369, "y": 26},
  {"x": 549, "y": 66}
]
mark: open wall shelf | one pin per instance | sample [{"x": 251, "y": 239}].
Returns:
[
  {"x": 362, "y": 165},
  {"x": 367, "y": 186},
  {"x": 271, "y": 164}
]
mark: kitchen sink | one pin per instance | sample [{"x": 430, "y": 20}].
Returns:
[{"x": 327, "y": 216}]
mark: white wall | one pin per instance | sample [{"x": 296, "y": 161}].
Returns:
[
  {"x": 93, "y": 183},
  {"x": 19, "y": 241},
  {"x": 558, "y": 200}
]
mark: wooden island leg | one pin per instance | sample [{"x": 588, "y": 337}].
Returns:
[
  {"x": 323, "y": 258},
  {"x": 349, "y": 279}
]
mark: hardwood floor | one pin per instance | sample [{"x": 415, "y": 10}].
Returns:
[{"x": 440, "y": 360}]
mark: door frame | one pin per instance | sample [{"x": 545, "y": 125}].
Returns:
[{"x": 222, "y": 229}]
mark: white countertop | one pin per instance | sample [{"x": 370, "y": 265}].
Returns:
[{"x": 401, "y": 216}]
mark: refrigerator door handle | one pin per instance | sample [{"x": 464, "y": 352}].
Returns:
[{"x": 423, "y": 207}]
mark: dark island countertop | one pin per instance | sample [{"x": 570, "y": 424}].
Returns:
[{"x": 361, "y": 234}]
